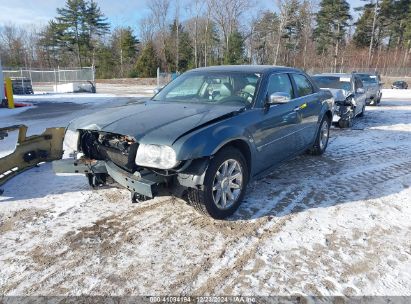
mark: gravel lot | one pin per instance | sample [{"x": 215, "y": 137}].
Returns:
[{"x": 332, "y": 225}]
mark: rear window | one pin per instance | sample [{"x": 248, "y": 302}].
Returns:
[
  {"x": 333, "y": 82},
  {"x": 368, "y": 78}
]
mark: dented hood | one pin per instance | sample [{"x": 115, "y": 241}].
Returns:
[
  {"x": 338, "y": 94},
  {"x": 154, "y": 122}
]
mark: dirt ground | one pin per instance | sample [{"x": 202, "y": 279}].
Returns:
[{"x": 332, "y": 225}]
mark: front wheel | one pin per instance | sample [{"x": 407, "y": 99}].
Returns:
[
  {"x": 321, "y": 140},
  {"x": 224, "y": 185}
]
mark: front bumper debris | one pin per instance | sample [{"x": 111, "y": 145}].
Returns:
[
  {"x": 30, "y": 150},
  {"x": 144, "y": 184},
  {"x": 79, "y": 166},
  {"x": 134, "y": 183}
]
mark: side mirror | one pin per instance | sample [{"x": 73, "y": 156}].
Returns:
[
  {"x": 360, "y": 91},
  {"x": 278, "y": 98},
  {"x": 157, "y": 90}
]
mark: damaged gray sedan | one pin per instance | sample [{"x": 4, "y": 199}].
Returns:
[{"x": 204, "y": 136}]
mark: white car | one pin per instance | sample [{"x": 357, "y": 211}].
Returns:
[{"x": 349, "y": 95}]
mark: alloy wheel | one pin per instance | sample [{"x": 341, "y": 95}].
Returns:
[{"x": 227, "y": 184}]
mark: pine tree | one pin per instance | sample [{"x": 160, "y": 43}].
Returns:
[
  {"x": 124, "y": 44},
  {"x": 362, "y": 35},
  {"x": 104, "y": 62},
  {"x": 184, "y": 49},
  {"x": 185, "y": 52},
  {"x": 147, "y": 63},
  {"x": 407, "y": 34},
  {"x": 235, "y": 52},
  {"x": 332, "y": 23},
  {"x": 78, "y": 23},
  {"x": 263, "y": 37}
]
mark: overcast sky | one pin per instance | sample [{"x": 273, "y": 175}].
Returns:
[{"x": 120, "y": 12}]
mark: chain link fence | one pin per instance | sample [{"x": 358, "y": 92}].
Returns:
[
  {"x": 45, "y": 80},
  {"x": 383, "y": 71}
]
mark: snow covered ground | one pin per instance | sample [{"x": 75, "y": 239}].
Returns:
[
  {"x": 332, "y": 225},
  {"x": 396, "y": 94}
]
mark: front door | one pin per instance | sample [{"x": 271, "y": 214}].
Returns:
[{"x": 275, "y": 132}]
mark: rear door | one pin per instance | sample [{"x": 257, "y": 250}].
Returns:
[{"x": 308, "y": 106}]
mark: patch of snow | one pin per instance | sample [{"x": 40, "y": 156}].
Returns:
[
  {"x": 390, "y": 93},
  {"x": 78, "y": 98},
  {"x": 331, "y": 225},
  {"x": 4, "y": 112},
  {"x": 8, "y": 144}
]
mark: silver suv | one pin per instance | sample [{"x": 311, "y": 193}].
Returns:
[
  {"x": 349, "y": 96},
  {"x": 372, "y": 84}
]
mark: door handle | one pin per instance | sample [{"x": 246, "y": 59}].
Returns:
[{"x": 298, "y": 108}]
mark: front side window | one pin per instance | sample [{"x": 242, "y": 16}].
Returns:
[
  {"x": 280, "y": 83},
  {"x": 303, "y": 85},
  {"x": 225, "y": 88}
]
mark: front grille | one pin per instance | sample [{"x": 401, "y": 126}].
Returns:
[
  {"x": 114, "y": 155},
  {"x": 95, "y": 146}
]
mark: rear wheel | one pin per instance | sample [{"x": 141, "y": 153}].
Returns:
[
  {"x": 321, "y": 142},
  {"x": 361, "y": 114},
  {"x": 224, "y": 185},
  {"x": 378, "y": 100}
]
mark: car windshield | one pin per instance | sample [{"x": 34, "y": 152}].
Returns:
[
  {"x": 333, "y": 82},
  {"x": 226, "y": 88},
  {"x": 368, "y": 78}
]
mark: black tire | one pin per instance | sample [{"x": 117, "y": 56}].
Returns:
[
  {"x": 203, "y": 200},
  {"x": 362, "y": 112},
  {"x": 345, "y": 123},
  {"x": 319, "y": 146},
  {"x": 373, "y": 102},
  {"x": 378, "y": 100}
]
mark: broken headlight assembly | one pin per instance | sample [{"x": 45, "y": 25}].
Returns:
[
  {"x": 70, "y": 143},
  {"x": 156, "y": 156}
]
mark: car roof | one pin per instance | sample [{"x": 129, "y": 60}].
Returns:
[
  {"x": 347, "y": 75},
  {"x": 246, "y": 68},
  {"x": 365, "y": 73}
]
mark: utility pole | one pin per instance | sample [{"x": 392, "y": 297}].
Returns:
[{"x": 372, "y": 33}]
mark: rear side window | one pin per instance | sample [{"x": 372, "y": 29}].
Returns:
[
  {"x": 303, "y": 85},
  {"x": 280, "y": 83}
]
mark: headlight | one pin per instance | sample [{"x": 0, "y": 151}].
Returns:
[
  {"x": 156, "y": 156},
  {"x": 70, "y": 143}
]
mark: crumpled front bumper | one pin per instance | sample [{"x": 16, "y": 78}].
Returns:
[{"x": 142, "y": 184}]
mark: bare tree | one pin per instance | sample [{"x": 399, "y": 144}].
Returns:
[
  {"x": 226, "y": 14},
  {"x": 147, "y": 29},
  {"x": 159, "y": 13}
]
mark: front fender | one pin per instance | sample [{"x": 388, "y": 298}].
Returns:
[{"x": 208, "y": 141}]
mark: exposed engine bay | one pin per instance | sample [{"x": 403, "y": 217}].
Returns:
[{"x": 120, "y": 149}]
